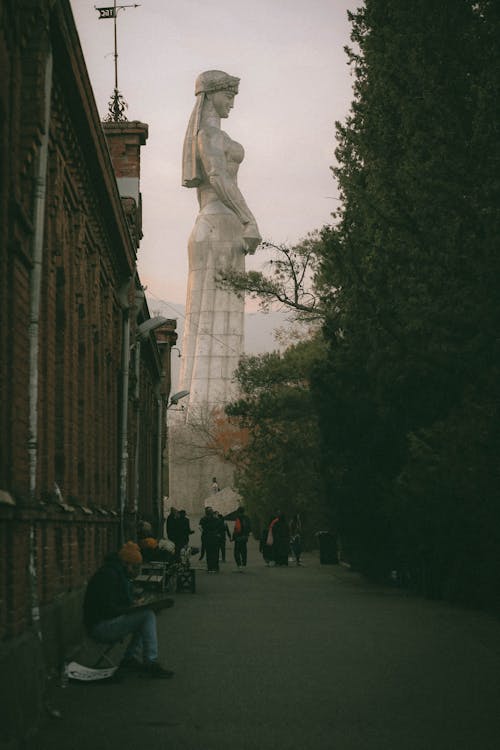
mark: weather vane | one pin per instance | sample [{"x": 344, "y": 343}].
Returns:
[{"x": 117, "y": 104}]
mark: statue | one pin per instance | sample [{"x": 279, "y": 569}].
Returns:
[{"x": 224, "y": 232}]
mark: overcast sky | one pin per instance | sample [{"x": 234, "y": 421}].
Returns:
[{"x": 295, "y": 83}]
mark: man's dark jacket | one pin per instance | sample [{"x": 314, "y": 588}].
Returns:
[
  {"x": 244, "y": 531},
  {"x": 109, "y": 593},
  {"x": 173, "y": 528},
  {"x": 210, "y": 526}
]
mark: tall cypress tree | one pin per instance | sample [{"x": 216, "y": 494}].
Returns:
[{"x": 411, "y": 270}]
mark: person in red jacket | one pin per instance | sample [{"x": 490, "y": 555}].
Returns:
[{"x": 241, "y": 532}]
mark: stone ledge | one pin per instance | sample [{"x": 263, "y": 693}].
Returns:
[{"x": 44, "y": 512}]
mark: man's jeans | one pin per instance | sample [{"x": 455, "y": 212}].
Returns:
[
  {"x": 240, "y": 552},
  {"x": 142, "y": 624}
]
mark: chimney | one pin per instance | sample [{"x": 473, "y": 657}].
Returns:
[{"x": 124, "y": 142}]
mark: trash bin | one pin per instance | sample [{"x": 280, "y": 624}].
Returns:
[{"x": 327, "y": 548}]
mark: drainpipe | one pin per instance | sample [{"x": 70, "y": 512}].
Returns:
[
  {"x": 124, "y": 410},
  {"x": 138, "y": 404},
  {"x": 159, "y": 459},
  {"x": 139, "y": 296},
  {"x": 40, "y": 195}
]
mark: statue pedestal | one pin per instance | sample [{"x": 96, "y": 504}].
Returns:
[{"x": 192, "y": 465}]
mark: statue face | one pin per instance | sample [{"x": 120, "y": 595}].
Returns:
[{"x": 223, "y": 102}]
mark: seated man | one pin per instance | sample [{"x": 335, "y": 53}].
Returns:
[{"x": 109, "y": 612}]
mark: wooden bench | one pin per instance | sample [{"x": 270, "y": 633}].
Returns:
[{"x": 155, "y": 575}]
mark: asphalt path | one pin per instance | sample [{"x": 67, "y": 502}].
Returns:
[{"x": 298, "y": 658}]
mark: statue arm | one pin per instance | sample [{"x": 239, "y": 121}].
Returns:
[{"x": 211, "y": 151}]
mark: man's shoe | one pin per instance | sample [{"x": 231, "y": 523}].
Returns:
[
  {"x": 131, "y": 665},
  {"x": 165, "y": 603},
  {"x": 155, "y": 670}
]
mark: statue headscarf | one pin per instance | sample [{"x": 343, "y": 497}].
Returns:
[{"x": 206, "y": 83}]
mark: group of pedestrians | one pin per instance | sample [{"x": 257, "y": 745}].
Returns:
[
  {"x": 215, "y": 531},
  {"x": 111, "y": 608},
  {"x": 280, "y": 541}
]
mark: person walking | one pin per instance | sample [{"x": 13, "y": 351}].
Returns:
[
  {"x": 223, "y": 533},
  {"x": 241, "y": 532},
  {"x": 210, "y": 539},
  {"x": 184, "y": 531},
  {"x": 266, "y": 543},
  {"x": 173, "y": 525},
  {"x": 268, "y": 549},
  {"x": 281, "y": 540},
  {"x": 296, "y": 538}
]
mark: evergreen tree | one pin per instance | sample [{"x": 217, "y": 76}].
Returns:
[
  {"x": 410, "y": 275},
  {"x": 279, "y": 466}
]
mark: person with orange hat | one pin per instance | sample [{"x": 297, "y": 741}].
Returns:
[
  {"x": 148, "y": 544},
  {"x": 109, "y": 613}
]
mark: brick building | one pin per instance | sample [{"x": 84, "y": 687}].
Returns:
[{"x": 84, "y": 381}]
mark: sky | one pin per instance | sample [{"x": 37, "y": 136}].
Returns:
[{"x": 295, "y": 83}]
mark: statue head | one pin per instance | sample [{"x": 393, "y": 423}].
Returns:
[
  {"x": 215, "y": 80},
  {"x": 208, "y": 84}
]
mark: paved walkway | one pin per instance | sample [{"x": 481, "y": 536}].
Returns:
[{"x": 308, "y": 658}]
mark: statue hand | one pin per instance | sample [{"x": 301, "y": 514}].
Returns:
[{"x": 251, "y": 238}]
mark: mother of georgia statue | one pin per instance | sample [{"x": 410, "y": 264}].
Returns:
[{"x": 224, "y": 231}]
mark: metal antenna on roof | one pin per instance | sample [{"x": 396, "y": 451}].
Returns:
[{"x": 117, "y": 104}]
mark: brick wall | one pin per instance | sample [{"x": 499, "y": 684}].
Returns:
[
  {"x": 67, "y": 551},
  {"x": 71, "y": 519}
]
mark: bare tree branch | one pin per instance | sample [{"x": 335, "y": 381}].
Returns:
[{"x": 289, "y": 281}]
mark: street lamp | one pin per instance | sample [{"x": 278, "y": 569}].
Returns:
[
  {"x": 174, "y": 400},
  {"x": 149, "y": 325}
]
